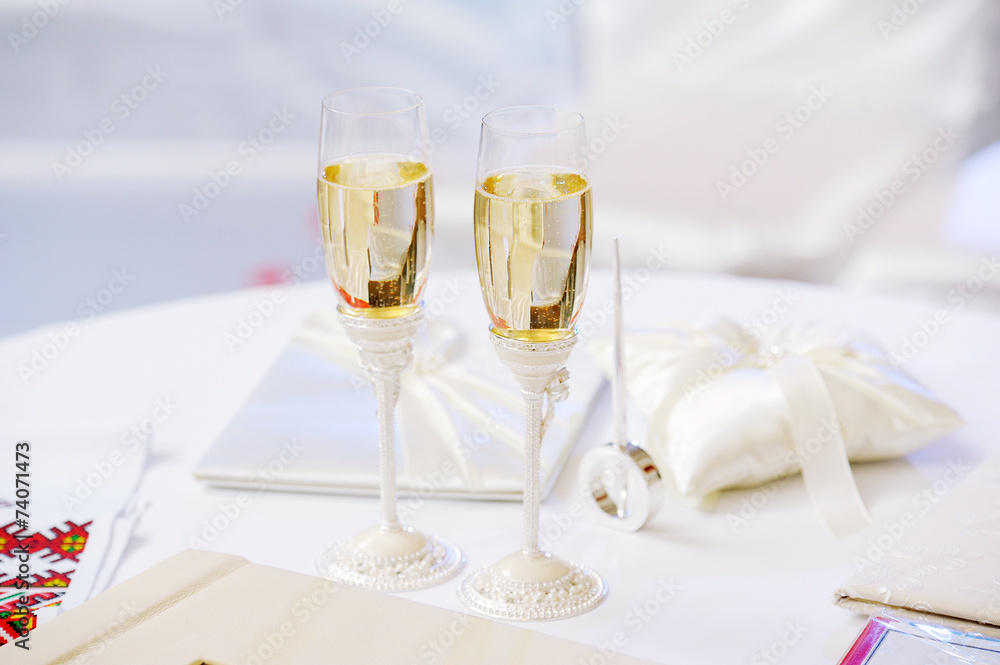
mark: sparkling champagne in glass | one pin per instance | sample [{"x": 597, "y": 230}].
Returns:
[
  {"x": 532, "y": 234},
  {"x": 532, "y": 230},
  {"x": 376, "y": 212}
]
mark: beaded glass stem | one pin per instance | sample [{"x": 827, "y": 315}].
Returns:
[
  {"x": 532, "y": 584},
  {"x": 532, "y": 490},
  {"x": 390, "y": 557},
  {"x": 375, "y": 196},
  {"x": 532, "y": 230}
]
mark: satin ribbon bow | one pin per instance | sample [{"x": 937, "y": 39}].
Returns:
[
  {"x": 431, "y": 390},
  {"x": 791, "y": 357}
]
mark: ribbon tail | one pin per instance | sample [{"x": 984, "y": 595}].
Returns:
[
  {"x": 477, "y": 415},
  {"x": 819, "y": 447},
  {"x": 503, "y": 397},
  {"x": 510, "y": 400},
  {"x": 425, "y": 414},
  {"x": 332, "y": 348}
]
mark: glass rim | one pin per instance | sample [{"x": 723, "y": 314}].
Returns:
[
  {"x": 561, "y": 111},
  {"x": 417, "y": 100}
]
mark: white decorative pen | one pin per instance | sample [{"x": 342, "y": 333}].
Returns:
[{"x": 620, "y": 478}]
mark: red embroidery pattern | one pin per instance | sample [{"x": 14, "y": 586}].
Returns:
[
  {"x": 66, "y": 543},
  {"x": 61, "y": 547}
]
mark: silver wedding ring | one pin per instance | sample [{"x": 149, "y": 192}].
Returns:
[{"x": 623, "y": 487}]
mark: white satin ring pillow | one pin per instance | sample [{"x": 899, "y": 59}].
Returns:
[{"x": 728, "y": 410}]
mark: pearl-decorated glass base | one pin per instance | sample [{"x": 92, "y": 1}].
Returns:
[
  {"x": 522, "y": 587},
  {"x": 355, "y": 562}
]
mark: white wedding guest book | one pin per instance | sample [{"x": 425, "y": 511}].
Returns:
[
  {"x": 459, "y": 421},
  {"x": 220, "y": 609},
  {"x": 941, "y": 559}
]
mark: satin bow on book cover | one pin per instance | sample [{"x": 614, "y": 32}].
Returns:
[{"x": 308, "y": 425}]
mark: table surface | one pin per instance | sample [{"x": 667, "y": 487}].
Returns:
[{"x": 736, "y": 592}]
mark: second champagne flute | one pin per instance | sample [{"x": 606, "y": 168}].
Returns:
[{"x": 532, "y": 236}]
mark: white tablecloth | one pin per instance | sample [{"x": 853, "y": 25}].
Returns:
[{"x": 693, "y": 587}]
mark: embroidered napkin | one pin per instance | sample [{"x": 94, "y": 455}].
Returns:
[{"x": 67, "y": 507}]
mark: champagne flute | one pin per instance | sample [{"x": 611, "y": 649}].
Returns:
[
  {"x": 376, "y": 212},
  {"x": 532, "y": 237}
]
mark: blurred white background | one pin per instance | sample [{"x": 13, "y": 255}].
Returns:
[{"x": 119, "y": 120}]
